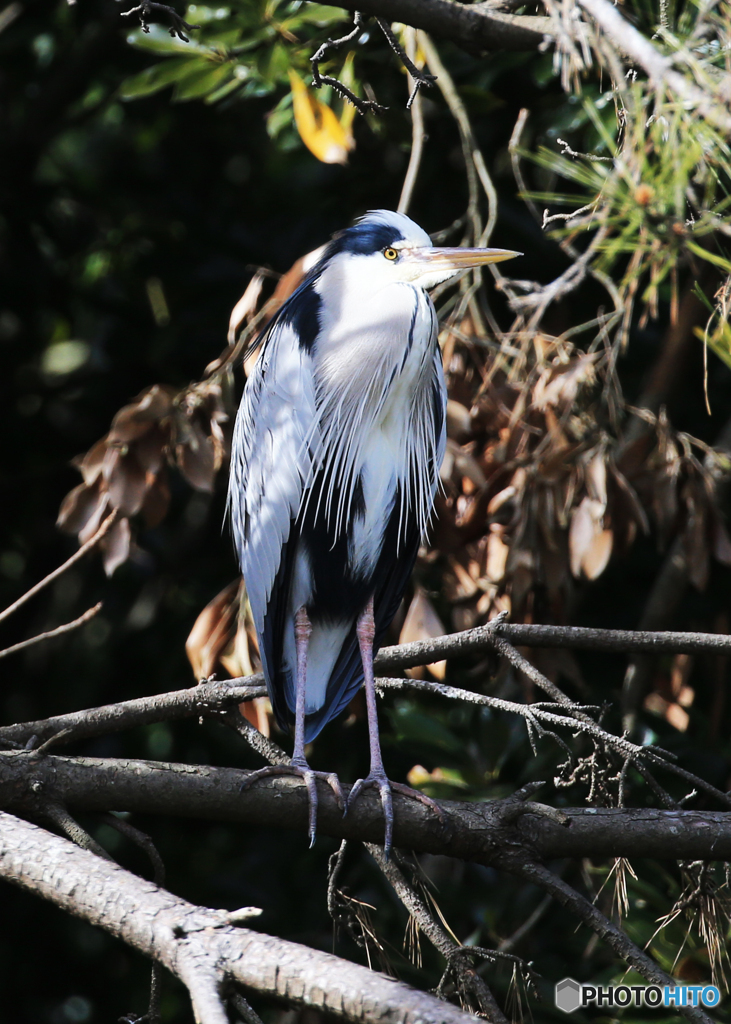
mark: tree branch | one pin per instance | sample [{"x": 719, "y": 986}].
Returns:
[
  {"x": 658, "y": 67},
  {"x": 476, "y": 27},
  {"x": 206, "y": 698},
  {"x": 476, "y": 831},
  {"x": 602, "y": 926},
  {"x": 68, "y": 627},
  {"x": 199, "y": 945},
  {"x": 77, "y": 556},
  {"x": 578, "y": 638}
]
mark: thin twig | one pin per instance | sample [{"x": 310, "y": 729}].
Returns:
[
  {"x": 318, "y": 80},
  {"x": 59, "y": 631},
  {"x": 244, "y": 1009},
  {"x": 269, "y": 750},
  {"x": 615, "y": 938},
  {"x": 419, "y": 78},
  {"x": 57, "y": 813},
  {"x": 417, "y": 130},
  {"x": 83, "y": 550},
  {"x": 468, "y": 979},
  {"x": 143, "y": 841},
  {"x": 145, "y": 9},
  {"x": 204, "y": 699}
]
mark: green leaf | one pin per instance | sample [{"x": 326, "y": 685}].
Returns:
[
  {"x": 201, "y": 14},
  {"x": 424, "y": 729},
  {"x": 315, "y": 14},
  {"x": 158, "y": 40},
  {"x": 274, "y": 65},
  {"x": 156, "y": 77},
  {"x": 201, "y": 82},
  {"x": 225, "y": 90},
  {"x": 711, "y": 257}
]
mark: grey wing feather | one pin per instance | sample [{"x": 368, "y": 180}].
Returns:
[{"x": 271, "y": 463}]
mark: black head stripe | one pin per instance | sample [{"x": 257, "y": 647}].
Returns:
[{"x": 364, "y": 238}]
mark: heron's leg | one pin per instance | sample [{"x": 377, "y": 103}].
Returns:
[
  {"x": 302, "y": 633},
  {"x": 298, "y": 765},
  {"x": 366, "y": 632}
]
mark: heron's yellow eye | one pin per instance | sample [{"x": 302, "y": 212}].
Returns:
[{"x": 390, "y": 254}]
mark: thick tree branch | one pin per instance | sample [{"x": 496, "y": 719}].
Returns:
[
  {"x": 476, "y": 27},
  {"x": 476, "y": 831},
  {"x": 200, "y": 946}
]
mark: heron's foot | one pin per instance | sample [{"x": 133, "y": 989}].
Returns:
[
  {"x": 386, "y": 788},
  {"x": 302, "y": 769}
]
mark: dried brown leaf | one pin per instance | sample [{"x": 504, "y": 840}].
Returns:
[
  {"x": 90, "y": 465},
  {"x": 596, "y": 478},
  {"x": 246, "y": 306},
  {"x": 213, "y": 630},
  {"x": 290, "y": 282},
  {"x": 149, "y": 450},
  {"x": 134, "y": 420},
  {"x": 459, "y": 422},
  {"x": 590, "y": 545},
  {"x": 597, "y": 555},
  {"x": 559, "y": 385},
  {"x": 497, "y": 557},
  {"x": 116, "y": 546},
  {"x": 196, "y": 459},
  {"x": 157, "y": 500},
  {"x": 423, "y": 623},
  {"x": 79, "y": 506},
  {"x": 127, "y": 482}
]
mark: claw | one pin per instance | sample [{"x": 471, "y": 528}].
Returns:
[
  {"x": 309, "y": 777},
  {"x": 386, "y": 788}
]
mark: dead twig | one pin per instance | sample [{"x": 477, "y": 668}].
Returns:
[
  {"x": 593, "y": 918},
  {"x": 418, "y": 136},
  {"x": 58, "y": 631},
  {"x": 83, "y": 550},
  {"x": 469, "y": 982},
  {"x": 147, "y": 8},
  {"x": 318, "y": 79}
]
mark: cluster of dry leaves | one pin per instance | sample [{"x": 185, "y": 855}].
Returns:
[
  {"x": 539, "y": 491},
  {"x": 127, "y": 469}
]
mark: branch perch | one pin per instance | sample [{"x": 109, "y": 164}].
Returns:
[
  {"x": 478, "y": 831},
  {"x": 199, "y": 945}
]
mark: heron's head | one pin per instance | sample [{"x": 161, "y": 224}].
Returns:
[{"x": 389, "y": 247}]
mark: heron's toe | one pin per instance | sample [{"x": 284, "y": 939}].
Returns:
[
  {"x": 302, "y": 770},
  {"x": 381, "y": 780}
]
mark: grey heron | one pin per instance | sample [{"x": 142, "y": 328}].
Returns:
[{"x": 334, "y": 466}]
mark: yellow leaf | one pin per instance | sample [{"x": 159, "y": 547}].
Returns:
[{"x": 318, "y": 126}]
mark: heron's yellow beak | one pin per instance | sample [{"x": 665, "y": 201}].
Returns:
[{"x": 457, "y": 258}]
